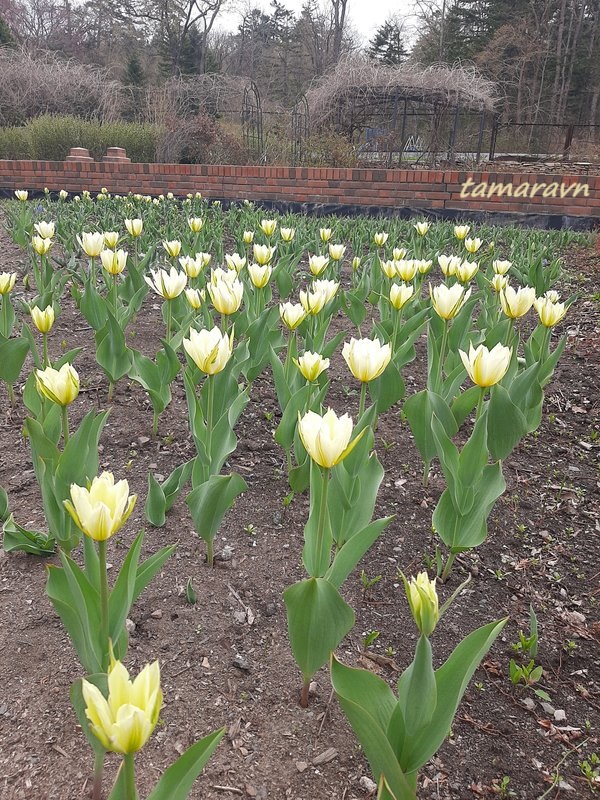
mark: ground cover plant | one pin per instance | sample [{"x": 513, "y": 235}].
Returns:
[{"x": 333, "y": 429}]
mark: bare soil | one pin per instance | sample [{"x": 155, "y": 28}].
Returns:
[{"x": 226, "y": 661}]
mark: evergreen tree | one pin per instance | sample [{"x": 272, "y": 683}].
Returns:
[
  {"x": 387, "y": 46},
  {"x": 6, "y": 37},
  {"x": 134, "y": 72}
]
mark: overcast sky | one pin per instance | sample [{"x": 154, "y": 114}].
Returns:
[{"x": 365, "y": 15}]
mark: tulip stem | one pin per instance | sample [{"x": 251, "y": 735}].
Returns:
[
  {"x": 448, "y": 567},
  {"x": 323, "y": 516},
  {"x": 65, "y": 423},
  {"x": 103, "y": 601},
  {"x": 98, "y": 772},
  {"x": 210, "y": 553},
  {"x": 46, "y": 358},
  {"x": 395, "y": 333},
  {"x": 426, "y": 474},
  {"x": 443, "y": 354},
  {"x": 363, "y": 398},
  {"x": 131, "y": 792},
  {"x": 115, "y": 295},
  {"x": 480, "y": 404},
  {"x": 304, "y": 694},
  {"x": 288, "y": 357},
  {"x": 154, "y": 422},
  {"x": 169, "y": 320},
  {"x": 93, "y": 271},
  {"x": 209, "y": 419}
]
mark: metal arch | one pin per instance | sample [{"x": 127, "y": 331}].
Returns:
[
  {"x": 300, "y": 127},
  {"x": 252, "y": 120}
]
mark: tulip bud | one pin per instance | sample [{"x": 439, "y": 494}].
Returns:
[
  {"x": 263, "y": 254},
  {"x": 472, "y": 245},
  {"x": 92, "y": 244},
  {"x": 366, "y": 358},
  {"x": 260, "y": 276},
  {"x": 21, "y": 194},
  {"x": 172, "y": 247},
  {"x": 398, "y": 253},
  {"x": 268, "y": 226},
  {"x": 406, "y": 270},
  {"x": 226, "y": 294},
  {"x": 380, "y": 239},
  {"x": 356, "y": 263},
  {"x": 388, "y": 268},
  {"x": 124, "y": 722},
  {"x": 102, "y": 509},
  {"x": 336, "y": 251},
  {"x": 60, "y": 386},
  {"x": 499, "y": 282},
  {"x": 196, "y": 224},
  {"x": 486, "y": 367},
  {"x": 114, "y": 262},
  {"x": 423, "y": 601},
  {"x": 41, "y": 246},
  {"x": 7, "y": 282},
  {"x": 63, "y": 194},
  {"x": 43, "y": 320},
  {"x": 326, "y": 438},
  {"x": 235, "y": 262},
  {"x": 549, "y": 312},
  {"x": 292, "y": 314},
  {"x": 195, "y": 298},
  {"x": 448, "y": 264},
  {"x": 311, "y": 365},
  {"x": 325, "y": 234},
  {"x": 111, "y": 239},
  {"x": 287, "y": 234},
  {"x": 248, "y": 237},
  {"x": 466, "y": 271},
  {"x": 400, "y": 294},
  {"x": 501, "y": 267},
  {"x": 209, "y": 350},
  {"x": 317, "y": 264}
]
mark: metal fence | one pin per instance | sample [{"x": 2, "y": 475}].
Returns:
[{"x": 541, "y": 140}]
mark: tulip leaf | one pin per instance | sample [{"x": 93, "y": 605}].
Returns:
[
  {"x": 93, "y": 307},
  {"x": 178, "y": 779},
  {"x": 79, "y": 706},
  {"x": 148, "y": 569},
  {"x": 318, "y": 619},
  {"x": 350, "y": 553},
  {"x": 12, "y": 357},
  {"x": 417, "y": 690},
  {"x": 18, "y": 539},
  {"x": 474, "y": 455},
  {"x": 112, "y": 353},
  {"x": 464, "y": 403},
  {"x": 3, "y": 505},
  {"x": 209, "y": 501},
  {"x": 353, "y": 497},
  {"x": 161, "y": 497},
  {"x": 318, "y": 537},
  {"x": 354, "y": 307},
  {"x": 7, "y": 316},
  {"x": 121, "y": 597},
  {"x": 419, "y": 409},
  {"x": 369, "y": 704},
  {"x": 284, "y": 433},
  {"x": 506, "y": 423},
  {"x": 387, "y": 389}
]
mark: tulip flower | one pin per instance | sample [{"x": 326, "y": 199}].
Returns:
[
  {"x": 111, "y": 239},
  {"x": 260, "y": 276},
  {"x": 195, "y": 298},
  {"x": 204, "y": 258},
  {"x": 40, "y": 245},
  {"x": 461, "y": 231},
  {"x": 423, "y": 601},
  {"x": 326, "y": 438},
  {"x": 380, "y": 239},
  {"x": 317, "y": 264},
  {"x": 486, "y": 367},
  {"x": 325, "y": 234},
  {"x": 191, "y": 266},
  {"x": 388, "y": 267},
  {"x": 168, "y": 285},
  {"x": 134, "y": 227},
  {"x": 292, "y": 314},
  {"x": 42, "y": 319},
  {"x": 268, "y": 226},
  {"x": 226, "y": 295},
  {"x": 366, "y": 359},
  {"x": 424, "y": 265},
  {"x": 263, "y": 254},
  {"x": 209, "y": 350},
  {"x": 45, "y": 229},
  {"x": 311, "y": 365},
  {"x": 63, "y": 194},
  {"x": 406, "y": 270},
  {"x": 449, "y": 264},
  {"x": 172, "y": 247},
  {"x": 102, "y": 509},
  {"x": 329, "y": 288},
  {"x": 356, "y": 263},
  {"x": 501, "y": 267},
  {"x": 499, "y": 282},
  {"x": 92, "y": 244},
  {"x": 114, "y": 262},
  {"x": 195, "y": 224},
  {"x": 398, "y": 253},
  {"x": 516, "y": 303},
  {"x": 466, "y": 271},
  {"x": 124, "y": 722},
  {"x": 400, "y": 294},
  {"x": 61, "y": 386},
  {"x": 21, "y": 194},
  {"x": 235, "y": 262},
  {"x": 549, "y": 311},
  {"x": 312, "y": 301},
  {"x": 552, "y": 295},
  {"x": 472, "y": 245},
  {"x": 248, "y": 237},
  {"x": 336, "y": 251},
  {"x": 422, "y": 228},
  {"x": 447, "y": 301},
  {"x": 287, "y": 234}
]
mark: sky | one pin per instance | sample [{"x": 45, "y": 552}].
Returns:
[{"x": 365, "y": 15}]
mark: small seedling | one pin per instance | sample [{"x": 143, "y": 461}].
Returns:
[
  {"x": 368, "y": 583},
  {"x": 526, "y": 673},
  {"x": 250, "y": 529},
  {"x": 369, "y": 639},
  {"x": 190, "y": 594},
  {"x": 590, "y": 769},
  {"x": 502, "y": 789},
  {"x": 268, "y": 415},
  {"x": 570, "y": 646},
  {"x": 528, "y": 644}
]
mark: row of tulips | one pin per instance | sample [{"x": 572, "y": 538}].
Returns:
[{"x": 329, "y": 455}]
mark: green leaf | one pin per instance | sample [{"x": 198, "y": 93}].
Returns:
[
  {"x": 506, "y": 424},
  {"x": 13, "y": 353},
  {"x": 348, "y": 556},
  {"x": 318, "y": 619},
  {"x": 417, "y": 690},
  {"x": 148, "y": 569},
  {"x": 121, "y": 597},
  {"x": 178, "y": 779},
  {"x": 388, "y": 389},
  {"x": 18, "y": 539},
  {"x": 419, "y": 409},
  {"x": 112, "y": 353},
  {"x": 209, "y": 501}
]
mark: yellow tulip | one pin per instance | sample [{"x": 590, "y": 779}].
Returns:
[
  {"x": 260, "y": 276},
  {"x": 388, "y": 267},
  {"x": 472, "y": 245},
  {"x": 552, "y": 295},
  {"x": 21, "y": 194},
  {"x": 423, "y": 601},
  {"x": 195, "y": 298},
  {"x": 173, "y": 247},
  {"x": 196, "y": 224},
  {"x": 400, "y": 294},
  {"x": 366, "y": 358},
  {"x": 45, "y": 229},
  {"x": 92, "y": 244},
  {"x": 204, "y": 258},
  {"x": 114, "y": 261},
  {"x": 398, "y": 253},
  {"x": 168, "y": 285},
  {"x": 466, "y": 271},
  {"x": 326, "y": 438},
  {"x": 356, "y": 262},
  {"x": 268, "y": 226},
  {"x": 7, "y": 282},
  {"x": 311, "y": 365},
  {"x": 406, "y": 270},
  {"x": 191, "y": 266},
  {"x": 287, "y": 234},
  {"x": 329, "y": 288},
  {"x": 226, "y": 295},
  {"x": 134, "y": 227},
  {"x": 292, "y": 315},
  {"x": 313, "y": 301},
  {"x": 317, "y": 264},
  {"x": 501, "y": 267},
  {"x": 325, "y": 234},
  {"x": 422, "y": 228},
  {"x": 263, "y": 254},
  {"x": 103, "y": 509},
  {"x": 209, "y": 350},
  {"x": 549, "y": 311},
  {"x": 499, "y": 282},
  {"x": 42, "y": 319},
  {"x": 235, "y": 261},
  {"x": 63, "y": 194},
  {"x": 111, "y": 239},
  {"x": 486, "y": 367},
  {"x": 248, "y": 237},
  {"x": 517, "y": 303},
  {"x": 336, "y": 251},
  {"x": 447, "y": 301},
  {"x": 380, "y": 239},
  {"x": 124, "y": 722},
  {"x": 461, "y": 231},
  {"x": 424, "y": 265},
  {"x": 449, "y": 264},
  {"x": 41, "y": 246},
  {"x": 61, "y": 386}
]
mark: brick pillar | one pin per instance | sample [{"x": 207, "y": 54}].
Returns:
[
  {"x": 116, "y": 155},
  {"x": 79, "y": 154}
]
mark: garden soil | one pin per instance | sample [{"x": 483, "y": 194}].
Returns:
[{"x": 226, "y": 661}]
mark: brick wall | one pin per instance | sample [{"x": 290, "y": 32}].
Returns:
[{"x": 389, "y": 189}]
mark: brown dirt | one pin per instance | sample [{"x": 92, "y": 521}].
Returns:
[{"x": 543, "y": 548}]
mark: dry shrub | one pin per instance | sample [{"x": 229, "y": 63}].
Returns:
[
  {"x": 201, "y": 140},
  {"x": 328, "y": 149},
  {"x": 44, "y": 84}
]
